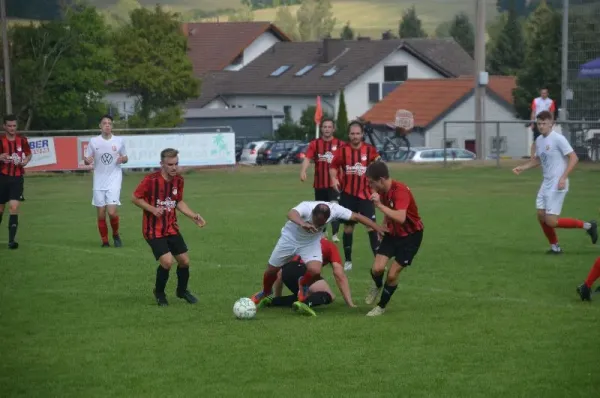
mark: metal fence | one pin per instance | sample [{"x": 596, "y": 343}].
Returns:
[
  {"x": 583, "y": 39},
  {"x": 510, "y": 140}
]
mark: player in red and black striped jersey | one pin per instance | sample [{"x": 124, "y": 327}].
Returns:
[
  {"x": 404, "y": 236},
  {"x": 15, "y": 153},
  {"x": 321, "y": 151},
  {"x": 353, "y": 161},
  {"x": 160, "y": 195}
]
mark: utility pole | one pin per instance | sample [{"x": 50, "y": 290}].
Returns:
[
  {"x": 564, "y": 79},
  {"x": 5, "y": 55},
  {"x": 479, "y": 88}
]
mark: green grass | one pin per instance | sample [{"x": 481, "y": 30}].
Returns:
[{"x": 483, "y": 311}]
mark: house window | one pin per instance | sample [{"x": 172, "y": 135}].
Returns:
[
  {"x": 374, "y": 92},
  {"x": 499, "y": 144},
  {"x": 287, "y": 111},
  {"x": 395, "y": 73},
  {"x": 279, "y": 71},
  {"x": 388, "y": 87},
  {"x": 304, "y": 70},
  {"x": 238, "y": 60}
]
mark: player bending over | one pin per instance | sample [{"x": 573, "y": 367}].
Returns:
[
  {"x": 160, "y": 194},
  {"x": 319, "y": 292},
  {"x": 402, "y": 242},
  {"x": 107, "y": 153},
  {"x": 301, "y": 236},
  {"x": 558, "y": 159},
  {"x": 585, "y": 290}
]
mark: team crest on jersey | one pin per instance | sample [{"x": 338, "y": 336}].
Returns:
[
  {"x": 392, "y": 204},
  {"x": 114, "y": 148},
  {"x": 19, "y": 149},
  {"x": 334, "y": 147},
  {"x": 363, "y": 158},
  {"x": 174, "y": 191},
  {"x": 547, "y": 147}
]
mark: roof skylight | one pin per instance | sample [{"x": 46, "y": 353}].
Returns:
[
  {"x": 279, "y": 71},
  {"x": 304, "y": 70},
  {"x": 332, "y": 71}
]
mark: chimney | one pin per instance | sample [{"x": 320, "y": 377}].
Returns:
[{"x": 331, "y": 49}]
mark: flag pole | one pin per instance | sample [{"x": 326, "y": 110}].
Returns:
[{"x": 317, "y": 125}]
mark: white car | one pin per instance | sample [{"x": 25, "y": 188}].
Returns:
[
  {"x": 250, "y": 151},
  {"x": 433, "y": 155}
]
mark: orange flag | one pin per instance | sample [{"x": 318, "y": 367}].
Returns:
[{"x": 318, "y": 111}]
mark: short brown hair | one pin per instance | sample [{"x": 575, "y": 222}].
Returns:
[
  {"x": 544, "y": 115},
  {"x": 356, "y": 123},
  {"x": 168, "y": 153},
  {"x": 378, "y": 170}
]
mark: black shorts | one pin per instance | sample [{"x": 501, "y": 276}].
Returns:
[
  {"x": 327, "y": 195},
  {"x": 357, "y": 205},
  {"x": 401, "y": 248},
  {"x": 11, "y": 188},
  {"x": 173, "y": 244},
  {"x": 291, "y": 272},
  {"x": 536, "y": 132}
]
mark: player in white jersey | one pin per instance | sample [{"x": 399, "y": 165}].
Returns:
[
  {"x": 107, "y": 153},
  {"x": 301, "y": 236},
  {"x": 538, "y": 105},
  {"x": 558, "y": 159}
]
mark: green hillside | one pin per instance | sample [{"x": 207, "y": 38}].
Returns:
[{"x": 368, "y": 18}]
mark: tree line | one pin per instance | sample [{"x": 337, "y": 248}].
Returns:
[{"x": 62, "y": 69}]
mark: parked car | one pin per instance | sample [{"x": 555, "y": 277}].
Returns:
[
  {"x": 276, "y": 152},
  {"x": 250, "y": 151},
  {"x": 296, "y": 154},
  {"x": 433, "y": 155}
]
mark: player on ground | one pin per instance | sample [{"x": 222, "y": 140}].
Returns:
[
  {"x": 402, "y": 242},
  {"x": 321, "y": 151},
  {"x": 558, "y": 159},
  {"x": 538, "y": 105},
  {"x": 107, "y": 153},
  {"x": 319, "y": 292},
  {"x": 585, "y": 290},
  {"x": 14, "y": 156},
  {"x": 160, "y": 194},
  {"x": 301, "y": 236},
  {"x": 353, "y": 159}
]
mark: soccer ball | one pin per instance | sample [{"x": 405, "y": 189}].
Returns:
[{"x": 244, "y": 308}]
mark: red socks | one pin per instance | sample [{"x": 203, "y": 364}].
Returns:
[
  {"x": 569, "y": 223},
  {"x": 268, "y": 281},
  {"x": 550, "y": 233},
  {"x": 594, "y": 274},
  {"x": 307, "y": 278},
  {"x": 114, "y": 223},
  {"x": 103, "y": 228}
]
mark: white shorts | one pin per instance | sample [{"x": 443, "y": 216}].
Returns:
[
  {"x": 285, "y": 250},
  {"x": 550, "y": 201},
  {"x": 109, "y": 197}
]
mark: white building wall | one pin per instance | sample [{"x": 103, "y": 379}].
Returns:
[
  {"x": 357, "y": 92},
  {"x": 516, "y": 134}
]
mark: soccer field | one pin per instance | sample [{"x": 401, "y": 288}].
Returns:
[{"x": 483, "y": 311}]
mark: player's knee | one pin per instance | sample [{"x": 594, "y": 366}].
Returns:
[
  {"x": 167, "y": 261},
  {"x": 112, "y": 213},
  {"x": 551, "y": 221},
  {"x": 13, "y": 208},
  {"x": 348, "y": 229}
]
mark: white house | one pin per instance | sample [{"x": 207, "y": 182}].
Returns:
[
  {"x": 216, "y": 46},
  {"x": 434, "y": 102},
  {"x": 289, "y": 76}
]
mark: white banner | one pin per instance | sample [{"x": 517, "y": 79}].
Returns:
[
  {"x": 143, "y": 151},
  {"x": 43, "y": 152}
]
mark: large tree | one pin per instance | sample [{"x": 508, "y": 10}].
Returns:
[
  {"x": 341, "y": 122},
  {"x": 410, "y": 25},
  {"x": 154, "y": 66},
  {"x": 315, "y": 19},
  {"x": 508, "y": 52},
  {"x": 60, "y": 69},
  {"x": 542, "y": 66},
  {"x": 461, "y": 29},
  {"x": 347, "y": 32}
]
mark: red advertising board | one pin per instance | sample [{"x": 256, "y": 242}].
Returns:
[{"x": 66, "y": 158}]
